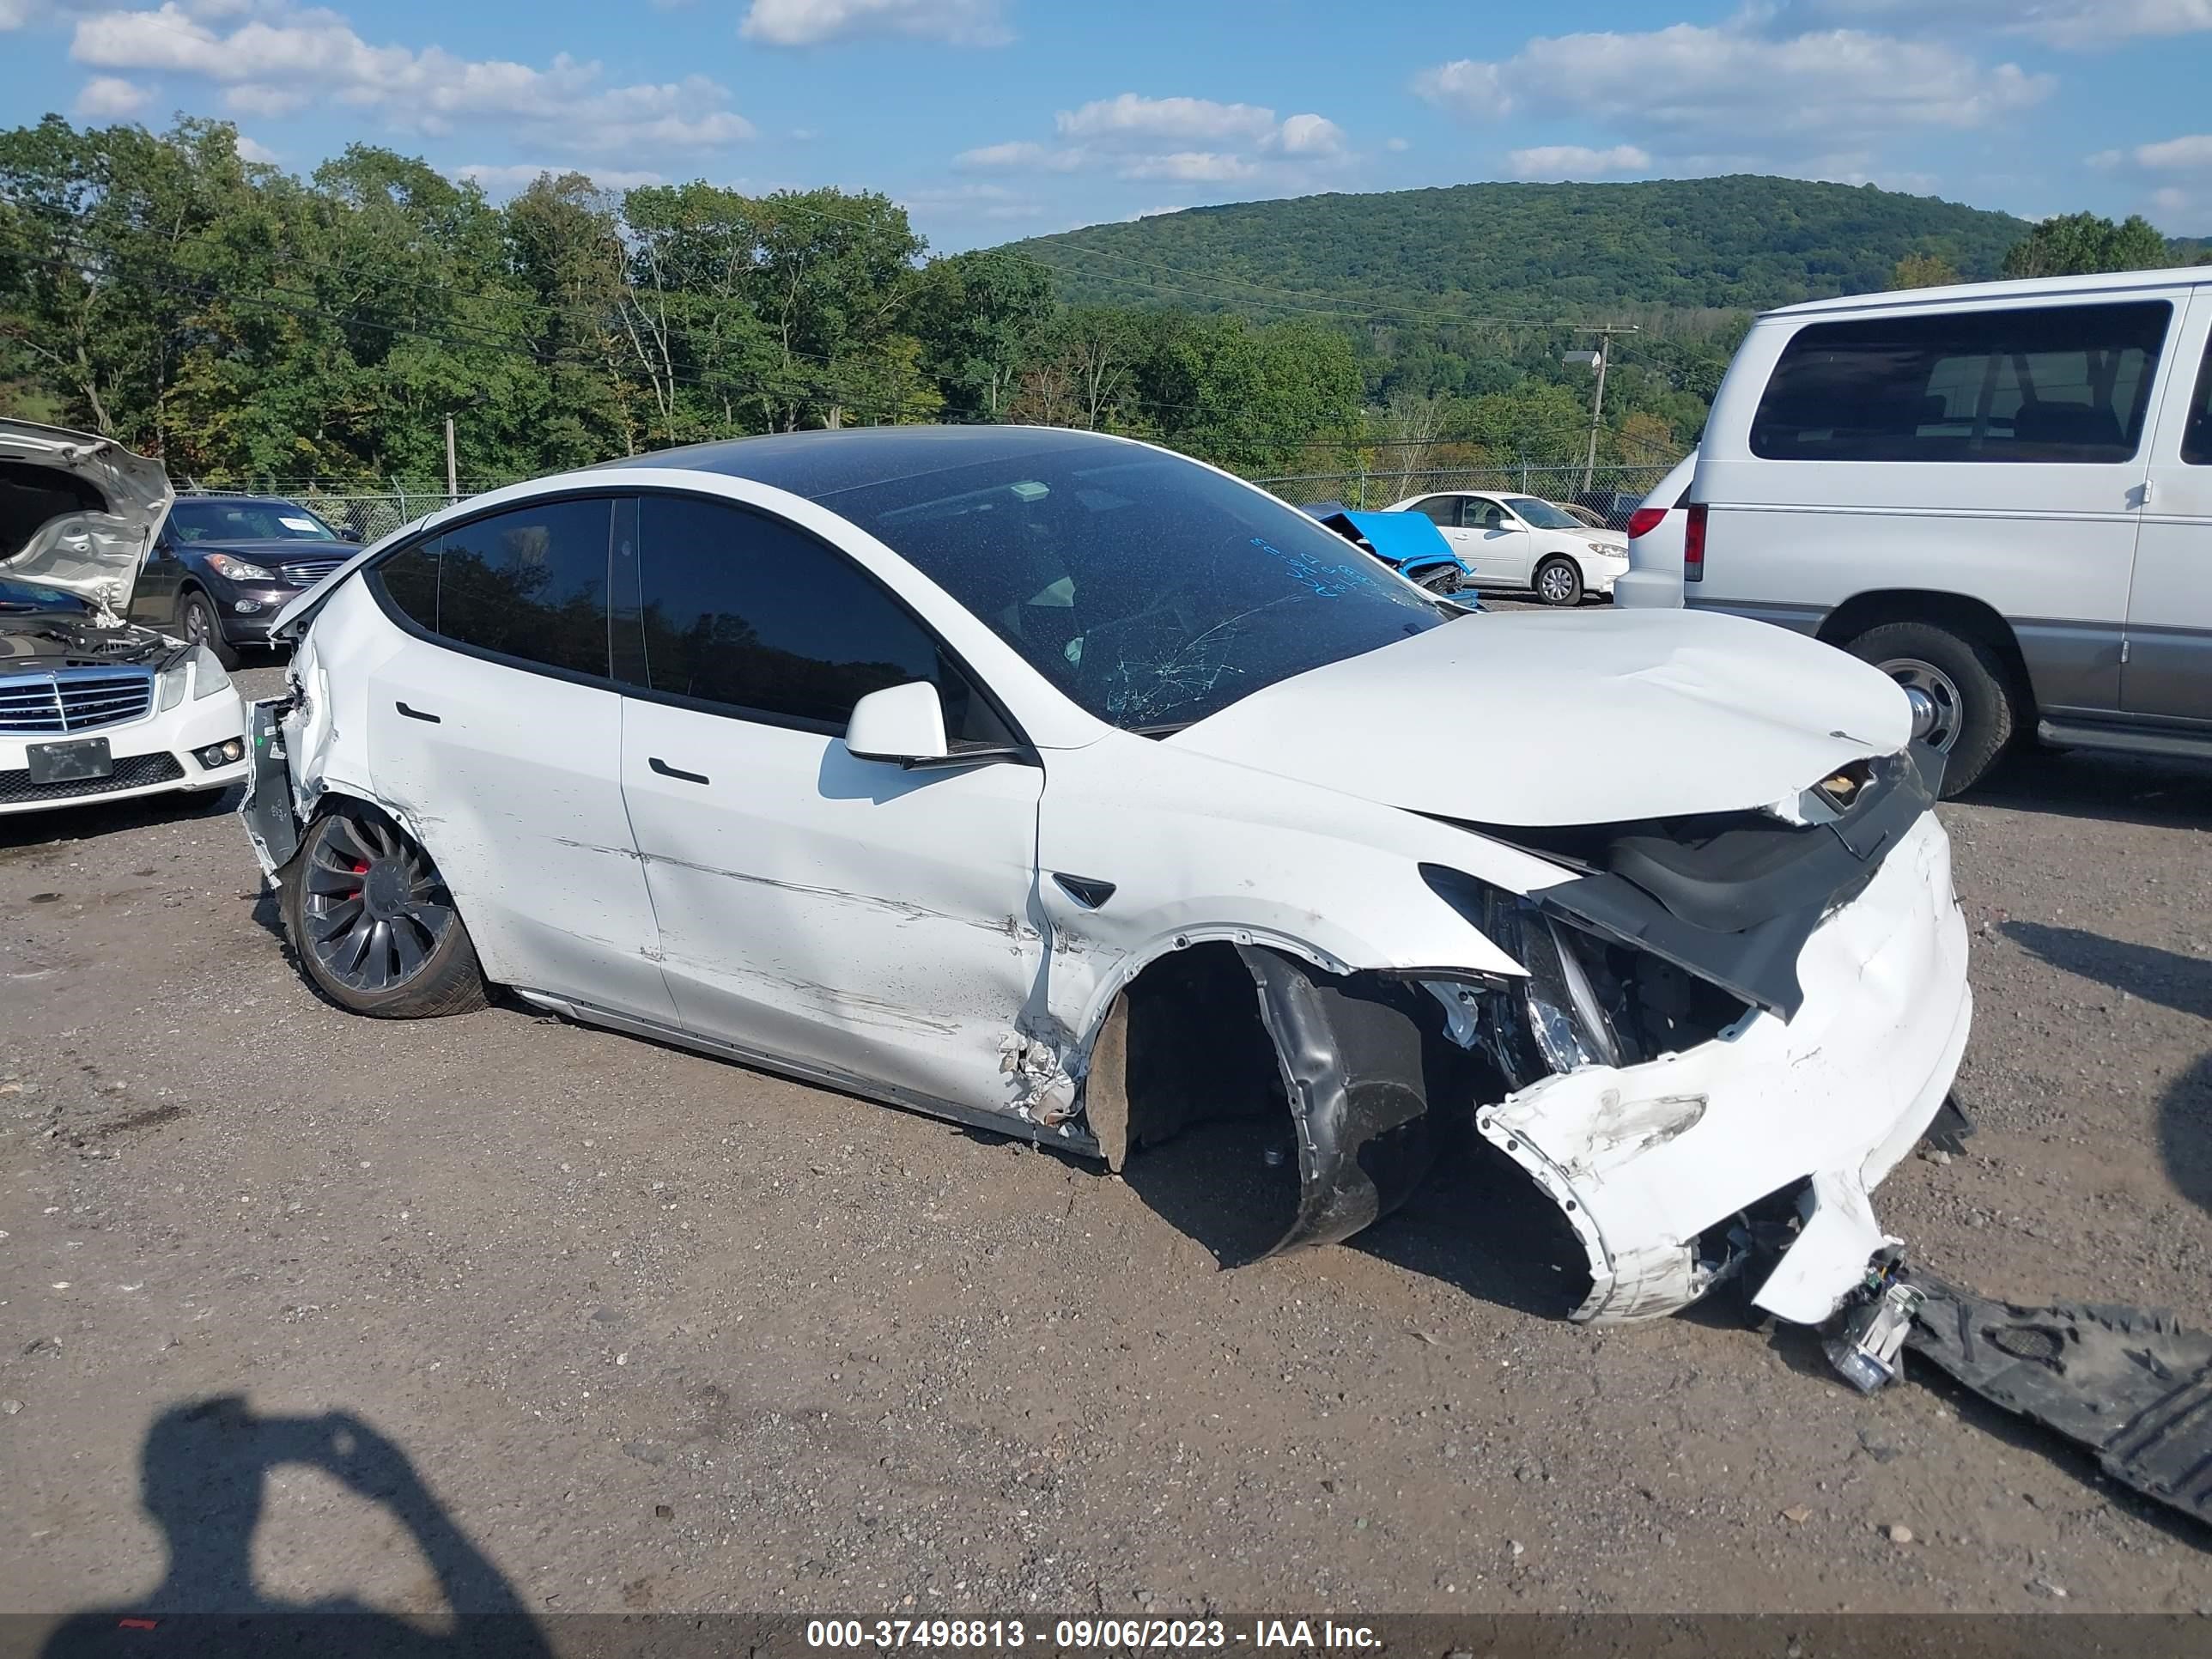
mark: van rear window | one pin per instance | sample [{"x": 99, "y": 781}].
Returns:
[{"x": 2048, "y": 384}]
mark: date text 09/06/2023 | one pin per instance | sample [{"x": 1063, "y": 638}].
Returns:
[{"x": 1066, "y": 1634}]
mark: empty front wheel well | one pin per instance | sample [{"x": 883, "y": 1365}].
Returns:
[{"x": 1970, "y": 618}]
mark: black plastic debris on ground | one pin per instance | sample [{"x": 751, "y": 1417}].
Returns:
[{"x": 2133, "y": 1385}]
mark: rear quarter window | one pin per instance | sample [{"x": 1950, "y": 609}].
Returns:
[{"x": 2042, "y": 384}]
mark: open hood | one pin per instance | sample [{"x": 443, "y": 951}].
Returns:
[
  {"x": 1535, "y": 719},
  {"x": 77, "y": 512}
]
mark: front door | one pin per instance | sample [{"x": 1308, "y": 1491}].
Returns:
[
  {"x": 2168, "y": 671},
  {"x": 852, "y": 917},
  {"x": 1492, "y": 540},
  {"x": 494, "y": 727}
]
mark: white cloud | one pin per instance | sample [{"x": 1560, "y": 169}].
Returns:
[
  {"x": 1575, "y": 161},
  {"x": 109, "y": 97},
  {"x": 2086, "y": 23},
  {"x": 1196, "y": 140},
  {"x": 2177, "y": 174},
  {"x": 1131, "y": 118},
  {"x": 1192, "y": 165},
  {"x": 250, "y": 150},
  {"x": 1685, "y": 87},
  {"x": 274, "y": 102},
  {"x": 814, "y": 22},
  {"x": 2193, "y": 152},
  {"x": 1309, "y": 134},
  {"x": 277, "y": 63},
  {"x": 506, "y": 179},
  {"x": 992, "y": 201},
  {"x": 1020, "y": 152},
  {"x": 1396, "y": 146}
]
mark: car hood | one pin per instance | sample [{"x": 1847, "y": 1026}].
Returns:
[
  {"x": 94, "y": 555},
  {"x": 1535, "y": 719}
]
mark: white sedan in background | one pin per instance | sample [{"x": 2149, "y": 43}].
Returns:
[{"x": 1517, "y": 541}]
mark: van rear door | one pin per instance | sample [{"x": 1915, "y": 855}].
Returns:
[{"x": 2168, "y": 673}]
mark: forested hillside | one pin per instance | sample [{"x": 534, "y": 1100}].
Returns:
[
  {"x": 249, "y": 325},
  {"x": 1740, "y": 243}
]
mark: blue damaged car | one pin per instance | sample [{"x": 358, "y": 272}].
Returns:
[{"x": 1409, "y": 542}]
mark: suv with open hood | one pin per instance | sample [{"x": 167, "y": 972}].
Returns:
[{"x": 91, "y": 705}]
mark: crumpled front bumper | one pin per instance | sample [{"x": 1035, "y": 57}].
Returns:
[{"x": 1642, "y": 1159}]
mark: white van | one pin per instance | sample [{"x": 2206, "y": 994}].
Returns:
[{"x": 2000, "y": 493}]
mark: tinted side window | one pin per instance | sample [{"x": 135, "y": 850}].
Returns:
[
  {"x": 531, "y": 583},
  {"x": 2054, "y": 384},
  {"x": 2196, "y": 435},
  {"x": 742, "y": 611},
  {"x": 409, "y": 580},
  {"x": 1443, "y": 509}
]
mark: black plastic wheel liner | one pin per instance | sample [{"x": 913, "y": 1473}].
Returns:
[
  {"x": 2132, "y": 1385},
  {"x": 1356, "y": 1064}
]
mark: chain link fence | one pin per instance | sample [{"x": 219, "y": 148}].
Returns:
[
  {"x": 1615, "y": 490},
  {"x": 365, "y": 515}
]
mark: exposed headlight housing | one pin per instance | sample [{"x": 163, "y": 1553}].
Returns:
[
  {"x": 239, "y": 570},
  {"x": 1585, "y": 1001},
  {"x": 208, "y": 675}
]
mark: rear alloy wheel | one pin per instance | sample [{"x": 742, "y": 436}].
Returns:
[
  {"x": 374, "y": 924},
  {"x": 196, "y": 618},
  {"x": 1560, "y": 581},
  {"x": 1963, "y": 680}
]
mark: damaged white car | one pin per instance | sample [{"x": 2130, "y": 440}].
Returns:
[
  {"x": 1060, "y": 785},
  {"x": 91, "y": 706}
]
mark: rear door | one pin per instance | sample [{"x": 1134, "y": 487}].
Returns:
[
  {"x": 1995, "y": 452},
  {"x": 852, "y": 917},
  {"x": 495, "y": 726},
  {"x": 2168, "y": 674}
]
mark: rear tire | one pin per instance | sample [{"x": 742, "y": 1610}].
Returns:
[
  {"x": 1558, "y": 582},
  {"x": 197, "y": 621},
  {"x": 374, "y": 925},
  {"x": 1966, "y": 680}
]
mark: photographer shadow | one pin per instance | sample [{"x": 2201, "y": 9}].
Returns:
[{"x": 203, "y": 1477}]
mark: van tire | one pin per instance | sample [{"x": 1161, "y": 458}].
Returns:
[{"x": 1985, "y": 716}]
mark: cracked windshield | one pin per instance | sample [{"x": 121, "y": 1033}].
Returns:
[{"x": 1153, "y": 593}]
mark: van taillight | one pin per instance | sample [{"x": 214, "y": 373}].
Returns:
[
  {"x": 1644, "y": 521},
  {"x": 1693, "y": 544}
]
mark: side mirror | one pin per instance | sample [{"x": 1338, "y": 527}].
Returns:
[
  {"x": 348, "y": 533},
  {"x": 901, "y": 723}
]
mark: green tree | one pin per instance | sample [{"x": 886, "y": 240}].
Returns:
[
  {"x": 1923, "y": 271},
  {"x": 980, "y": 318},
  {"x": 2081, "y": 244}
]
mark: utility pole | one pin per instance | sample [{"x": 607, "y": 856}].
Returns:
[
  {"x": 1597, "y": 360},
  {"x": 453, "y": 488}
]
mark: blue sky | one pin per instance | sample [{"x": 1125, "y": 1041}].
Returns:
[{"x": 997, "y": 118}]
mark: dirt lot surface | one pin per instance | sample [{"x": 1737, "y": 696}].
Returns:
[{"x": 619, "y": 1327}]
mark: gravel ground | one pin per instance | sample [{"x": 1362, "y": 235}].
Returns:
[{"x": 655, "y": 1332}]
